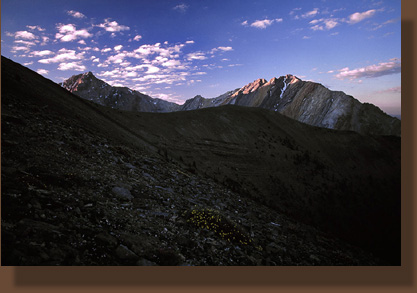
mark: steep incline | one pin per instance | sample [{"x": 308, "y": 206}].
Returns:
[{"x": 338, "y": 181}]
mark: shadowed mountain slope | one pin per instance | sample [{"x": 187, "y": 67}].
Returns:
[
  {"x": 305, "y": 101},
  {"x": 281, "y": 181},
  {"x": 89, "y": 87}
]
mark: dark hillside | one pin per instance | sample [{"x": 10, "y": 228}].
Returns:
[{"x": 83, "y": 184}]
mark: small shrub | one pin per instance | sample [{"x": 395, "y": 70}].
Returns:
[{"x": 212, "y": 220}]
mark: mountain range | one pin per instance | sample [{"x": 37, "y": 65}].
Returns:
[
  {"x": 86, "y": 184},
  {"x": 305, "y": 101}
]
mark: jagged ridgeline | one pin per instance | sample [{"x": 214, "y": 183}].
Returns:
[
  {"x": 85, "y": 184},
  {"x": 305, "y": 101}
]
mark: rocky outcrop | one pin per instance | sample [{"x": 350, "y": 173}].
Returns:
[{"x": 89, "y": 87}]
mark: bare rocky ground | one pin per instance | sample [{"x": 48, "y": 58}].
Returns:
[{"x": 72, "y": 196}]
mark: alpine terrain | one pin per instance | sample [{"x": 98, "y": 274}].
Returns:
[
  {"x": 305, "y": 101},
  {"x": 88, "y": 181}
]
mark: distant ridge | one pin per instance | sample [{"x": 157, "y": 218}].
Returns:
[{"x": 305, "y": 101}]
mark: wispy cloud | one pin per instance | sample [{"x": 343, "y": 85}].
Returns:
[
  {"x": 181, "y": 7},
  {"x": 359, "y": 16},
  {"x": 137, "y": 38},
  {"x": 75, "y": 14},
  {"x": 262, "y": 24},
  {"x": 371, "y": 71},
  {"x": 311, "y": 13},
  {"x": 324, "y": 24},
  {"x": 393, "y": 90},
  {"x": 35, "y": 27},
  {"x": 378, "y": 26}
]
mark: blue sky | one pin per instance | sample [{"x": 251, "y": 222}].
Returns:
[{"x": 178, "y": 49}]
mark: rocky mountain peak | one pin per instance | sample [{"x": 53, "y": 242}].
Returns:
[
  {"x": 250, "y": 87},
  {"x": 290, "y": 79}
]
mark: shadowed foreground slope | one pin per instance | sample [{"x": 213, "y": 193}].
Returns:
[{"x": 84, "y": 184}]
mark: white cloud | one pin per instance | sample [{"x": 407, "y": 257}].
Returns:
[
  {"x": 116, "y": 58},
  {"x": 25, "y": 43},
  {"x": 35, "y": 27},
  {"x": 118, "y": 47},
  {"x": 19, "y": 48},
  {"x": 63, "y": 55},
  {"x": 152, "y": 69},
  {"x": 42, "y": 53},
  {"x": 330, "y": 23},
  {"x": 262, "y": 24},
  {"x": 75, "y": 14},
  {"x": 45, "y": 40},
  {"x": 310, "y": 13},
  {"x": 42, "y": 71},
  {"x": 306, "y": 38},
  {"x": 171, "y": 63},
  {"x": 322, "y": 24},
  {"x": 68, "y": 33},
  {"x": 82, "y": 42},
  {"x": 196, "y": 56},
  {"x": 359, "y": 16},
  {"x": 315, "y": 21},
  {"x": 317, "y": 27},
  {"x": 113, "y": 26},
  {"x": 380, "y": 69},
  {"x": 181, "y": 7},
  {"x": 28, "y": 63},
  {"x": 105, "y": 50},
  {"x": 71, "y": 66},
  {"x": 137, "y": 38},
  {"x": 189, "y": 42},
  {"x": 225, "y": 48},
  {"x": 25, "y": 35}
]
